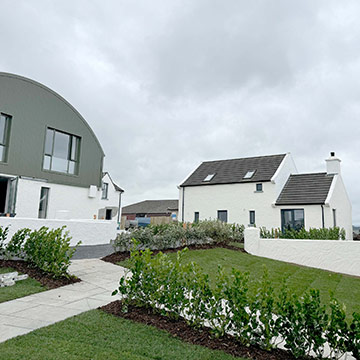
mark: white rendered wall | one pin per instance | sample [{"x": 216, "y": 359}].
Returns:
[
  {"x": 339, "y": 200},
  {"x": 333, "y": 255},
  {"x": 89, "y": 232},
  {"x": 65, "y": 201},
  {"x": 281, "y": 176}
]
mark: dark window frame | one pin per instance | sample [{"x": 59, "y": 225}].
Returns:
[
  {"x": 259, "y": 187},
  {"x": 104, "y": 191},
  {"x": 222, "y": 212},
  {"x": 293, "y": 225},
  {"x": 334, "y": 217},
  {"x": 44, "y": 201},
  {"x": 252, "y": 217},
  {"x": 73, "y": 152},
  {"x": 4, "y": 143},
  {"x": 196, "y": 216}
]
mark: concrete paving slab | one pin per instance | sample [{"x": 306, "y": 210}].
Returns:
[{"x": 99, "y": 279}]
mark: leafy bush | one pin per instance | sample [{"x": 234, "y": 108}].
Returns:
[
  {"x": 174, "y": 235},
  {"x": 334, "y": 233},
  {"x": 175, "y": 288},
  {"x": 3, "y": 236},
  {"x": 48, "y": 250}
]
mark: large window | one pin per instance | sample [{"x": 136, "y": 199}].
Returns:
[
  {"x": 222, "y": 215},
  {"x": 61, "y": 152},
  {"x": 292, "y": 219},
  {"x": 4, "y": 136}
]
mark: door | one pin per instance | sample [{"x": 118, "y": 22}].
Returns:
[
  {"x": 108, "y": 214},
  {"x": 11, "y": 203}
]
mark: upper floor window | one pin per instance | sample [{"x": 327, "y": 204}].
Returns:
[
  {"x": 104, "y": 190},
  {"x": 259, "y": 187},
  {"x": 4, "y": 136},
  {"x": 62, "y": 152}
]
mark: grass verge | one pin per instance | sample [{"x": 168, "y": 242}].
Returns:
[
  {"x": 20, "y": 289},
  {"x": 97, "y": 335},
  {"x": 299, "y": 278}
]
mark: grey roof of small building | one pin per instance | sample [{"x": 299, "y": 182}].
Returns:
[
  {"x": 233, "y": 170},
  {"x": 151, "y": 207},
  {"x": 306, "y": 189}
]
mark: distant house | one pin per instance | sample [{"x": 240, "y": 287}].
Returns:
[
  {"x": 51, "y": 162},
  {"x": 266, "y": 191},
  {"x": 157, "y": 211}
]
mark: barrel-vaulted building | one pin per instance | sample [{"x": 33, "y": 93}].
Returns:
[{"x": 51, "y": 163}]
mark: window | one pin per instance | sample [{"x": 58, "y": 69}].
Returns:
[
  {"x": 249, "y": 174},
  {"x": 43, "y": 204},
  {"x": 61, "y": 152},
  {"x": 334, "y": 216},
  {"x": 4, "y": 136},
  {"x": 259, "y": 188},
  {"x": 252, "y": 217},
  {"x": 292, "y": 219},
  {"x": 209, "y": 177},
  {"x": 196, "y": 216},
  {"x": 222, "y": 215},
  {"x": 104, "y": 190}
]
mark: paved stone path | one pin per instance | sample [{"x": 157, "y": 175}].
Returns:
[{"x": 99, "y": 279}]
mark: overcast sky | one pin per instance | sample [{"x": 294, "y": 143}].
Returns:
[{"x": 168, "y": 84}]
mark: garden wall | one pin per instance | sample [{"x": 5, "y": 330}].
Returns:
[
  {"x": 341, "y": 256},
  {"x": 89, "y": 232}
]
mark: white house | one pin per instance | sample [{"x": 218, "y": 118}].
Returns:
[
  {"x": 266, "y": 191},
  {"x": 51, "y": 162}
]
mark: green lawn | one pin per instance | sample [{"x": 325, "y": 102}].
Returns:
[
  {"x": 20, "y": 289},
  {"x": 97, "y": 335},
  {"x": 299, "y": 278}
]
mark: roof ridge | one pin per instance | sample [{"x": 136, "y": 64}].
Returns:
[{"x": 245, "y": 158}]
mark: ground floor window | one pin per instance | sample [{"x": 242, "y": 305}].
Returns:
[
  {"x": 222, "y": 215},
  {"x": 334, "y": 216},
  {"x": 292, "y": 219},
  {"x": 252, "y": 217},
  {"x": 196, "y": 216},
  {"x": 43, "y": 204}
]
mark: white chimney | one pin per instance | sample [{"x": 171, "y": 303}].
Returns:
[{"x": 333, "y": 164}]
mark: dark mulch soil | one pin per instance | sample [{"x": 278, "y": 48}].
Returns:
[
  {"x": 118, "y": 256},
  {"x": 37, "y": 274},
  {"x": 180, "y": 329}
]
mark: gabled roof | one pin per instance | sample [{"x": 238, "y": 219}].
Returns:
[
  {"x": 116, "y": 187},
  {"x": 233, "y": 170},
  {"x": 306, "y": 189},
  {"x": 151, "y": 207}
]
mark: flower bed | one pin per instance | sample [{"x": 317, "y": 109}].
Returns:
[
  {"x": 176, "y": 235},
  {"x": 303, "y": 325}
]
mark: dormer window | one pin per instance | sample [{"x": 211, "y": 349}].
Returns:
[
  {"x": 249, "y": 174},
  {"x": 209, "y": 177}
]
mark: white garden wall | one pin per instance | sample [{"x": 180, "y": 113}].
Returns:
[
  {"x": 333, "y": 255},
  {"x": 89, "y": 232}
]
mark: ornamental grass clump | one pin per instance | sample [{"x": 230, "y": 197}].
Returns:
[{"x": 303, "y": 324}]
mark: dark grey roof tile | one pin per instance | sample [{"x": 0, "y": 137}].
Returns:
[
  {"x": 305, "y": 189},
  {"x": 234, "y": 170}
]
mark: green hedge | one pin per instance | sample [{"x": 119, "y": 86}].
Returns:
[
  {"x": 334, "y": 233},
  {"x": 47, "y": 249},
  {"x": 175, "y": 288},
  {"x": 174, "y": 235}
]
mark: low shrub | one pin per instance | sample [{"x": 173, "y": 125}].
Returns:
[
  {"x": 174, "y": 235},
  {"x": 3, "y": 237},
  {"x": 175, "y": 288},
  {"x": 47, "y": 249},
  {"x": 334, "y": 233}
]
